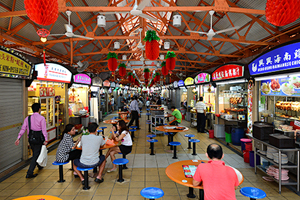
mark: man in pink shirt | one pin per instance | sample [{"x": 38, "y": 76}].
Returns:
[
  {"x": 37, "y": 124},
  {"x": 219, "y": 181}
]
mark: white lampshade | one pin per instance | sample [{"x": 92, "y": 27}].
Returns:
[
  {"x": 167, "y": 45},
  {"x": 158, "y": 64},
  {"x": 177, "y": 20},
  {"x": 162, "y": 57},
  {"x": 101, "y": 22},
  {"x": 128, "y": 65},
  {"x": 124, "y": 57},
  {"x": 116, "y": 45}
]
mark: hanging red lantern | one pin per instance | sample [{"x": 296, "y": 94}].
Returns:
[
  {"x": 152, "y": 45},
  {"x": 42, "y": 12},
  {"x": 156, "y": 77},
  {"x": 122, "y": 69},
  {"x": 146, "y": 81},
  {"x": 130, "y": 76},
  {"x": 170, "y": 60},
  {"x": 112, "y": 61},
  {"x": 146, "y": 73},
  {"x": 282, "y": 12},
  {"x": 164, "y": 70}
]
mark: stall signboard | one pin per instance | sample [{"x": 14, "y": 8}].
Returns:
[
  {"x": 112, "y": 84},
  {"x": 228, "y": 71},
  {"x": 289, "y": 86},
  {"x": 47, "y": 91},
  {"x": 53, "y": 72},
  {"x": 106, "y": 83},
  {"x": 175, "y": 84},
  {"x": 278, "y": 59},
  {"x": 13, "y": 64},
  {"x": 189, "y": 81},
  {"x": 117, "y": 85},
  {"x": 202, "y": 78},
  {"x": 97, "y": 81},
  {"x": 180, "y": 83},
  {"x": 82, "y": 78}
]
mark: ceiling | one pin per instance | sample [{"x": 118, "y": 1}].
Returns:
[{"x": 194, "y": 53}]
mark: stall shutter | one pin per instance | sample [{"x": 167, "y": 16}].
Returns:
[{"x": 11, "y": 119}]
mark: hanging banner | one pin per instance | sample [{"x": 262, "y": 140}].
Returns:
[
  {"x": 189, "y": 81},
  {"x": 289, "y": 86},
  {"x": 13, "y": 64},
  {"x": 180, "y": 83},
  {"x": 106, "y": 83},
  {"x": 202, "y": 78},
  {"x": 228, "y": 71},
  {"x": 97, "y": 81},
  {"x": 249, "y": 107},
  {"x": 278, "y": 59},
  {"x": 53, "y": 72},
  {"x": 82, "y": 78}
]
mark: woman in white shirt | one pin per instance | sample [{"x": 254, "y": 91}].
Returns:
[
  {"x": 112, "y": 102},
  {"x": 126, "y": 145}
]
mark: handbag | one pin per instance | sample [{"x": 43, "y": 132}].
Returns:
[
  {"x": 35, "y": 137},
  {"x": 43, "y": 157}
]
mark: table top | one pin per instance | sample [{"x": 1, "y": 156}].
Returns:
[
  {"x": 35, "y": 197},
  {"x": 122, "y": 112},
  {"x": 163, "y": 129},
  {"x": 155, "y": 105},
  {"x": 175, "y": 172},
  {"x": 114, "y": 121},
  {"x": 103, "y": 147}
]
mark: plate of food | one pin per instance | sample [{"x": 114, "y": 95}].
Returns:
[
  {"x": 295, "y": 81},
  {"x": 287, "y": 89},
  {"x": 265, "y": 88},
  {"x": 179, "y": 128},
  {"x": 275, "y": 86}
]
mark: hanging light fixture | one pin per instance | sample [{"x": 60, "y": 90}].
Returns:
[
  {"x": 116, "y": 45},
  {"x": 177, "y": 20},
  {"x": 101, "y": 22},
  {"x": 167, "y": 45},
  {"x": 124, "y": 57},
  {"x": 162, "y": 57}
]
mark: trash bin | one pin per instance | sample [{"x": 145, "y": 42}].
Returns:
[
  {"x": 211, "y": 133},
  {"x": 246, "y": 156},
  {"x": 237, "y": 133},
  {"x": 219, "y": 131},
  {"x": 228, "y": 137},
  {"x": 85, "y": 120},
  {"x": 243, "y": 142},
  {"x": 251, "y": 159}
]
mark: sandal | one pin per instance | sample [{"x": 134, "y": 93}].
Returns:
[
  {"x": 97, "y": 180},
  {"x": 111, "y": 170}
]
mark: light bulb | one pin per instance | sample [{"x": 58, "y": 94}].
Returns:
[{"x": 43, "y": 39}]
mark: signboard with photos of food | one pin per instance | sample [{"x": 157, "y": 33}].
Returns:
[
  {"x": 289, "y": 86},
  {"x": 202, "y": 78},
  {"x": 47, "y": 91},
  {"x": 228, "y": 71}
]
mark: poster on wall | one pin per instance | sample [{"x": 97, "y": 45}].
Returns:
[
  {"x": 228, "y": 71},
  {"x": 289, "y": 86},
  {"x": 53, "y": 72},
  {"x": 202, "y": 78},
  {"x": 82, "y": 78},
  {"x": 249, "y": 107}
]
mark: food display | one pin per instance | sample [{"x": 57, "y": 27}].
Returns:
[
  {"x": 294, "y": 106},
  {"x": 236, "y": 100}
]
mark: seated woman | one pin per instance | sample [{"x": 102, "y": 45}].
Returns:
[{"x": 126, "y": 145}]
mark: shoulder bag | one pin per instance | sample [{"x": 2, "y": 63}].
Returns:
[{"x": 35, "y": 137}]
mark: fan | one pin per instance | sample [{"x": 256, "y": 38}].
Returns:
[
  {"x": 211, "y": 33},
  {"x": 137, "y": 11},
  {"x": 180, "y": 75},
  {"x": 82, "y": 66},
  {"x": 69, "y": 29}
]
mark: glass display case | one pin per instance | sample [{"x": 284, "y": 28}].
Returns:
[
  {"x": 32, "y": 100},
  {"x": 48, "y": 110}
]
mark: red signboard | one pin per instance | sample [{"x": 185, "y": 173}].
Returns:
[
  {"x": 227, "y": 72},
  {"x": 106, "y": 83}
]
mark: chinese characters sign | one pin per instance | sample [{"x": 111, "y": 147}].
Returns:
[
  {"x": 289, "y": 86},
  {"x": 53, "y": 72},
  {"x": 47, "y": 91},
  {"x": 11, "y": 64},
  {"x": 82, "y": 78},
  {"x": 202, "y": 78},
  {"x": 189, "y": 81},
  {"x": 180, "y": 83},
  {"x": 282, "y": 58},
  {"x": 227, "y": 72}
]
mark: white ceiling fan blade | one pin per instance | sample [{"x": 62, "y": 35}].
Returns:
[
  {"x": 143, "y": 4},
  {"x": 81, "y": 36},
  {"x": 196, "y": 32},
  {"x": 228, "y": 29},
  {"x": 56, "y": 34},
  {"x": 148, "y": 17},
  {"x": 112, "y": 13},
  {"x": 209, "y": 37}
]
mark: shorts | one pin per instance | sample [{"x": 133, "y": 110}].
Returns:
[
  {"x": 125, "y": 149},
  {"x": 174, "y": 123},
  {"x": 79, "y": 164}
]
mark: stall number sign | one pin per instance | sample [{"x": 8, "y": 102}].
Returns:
[
  {"x": 47, "y": 91},
  {"x": 11, "y": 64},
  {"x": 227, "y": 72},
  {"x": 282, "y": 58},
  {"x": 82, "y": 78},
  {"x": 189, "y": 81},
  {"x": 53, "y": 72},
  {"x": 202, "y": 78}
]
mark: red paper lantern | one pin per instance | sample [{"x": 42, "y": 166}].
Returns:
[
  {"x": 122, "y": 69},
  {"x": 164, "y": 71},
  {"x": 152, "y": 50},
  {"x": 170, "y": 63},
  {"x": 146, "y": 73},
  {"x": 282, "y": 12},
  {"x": 112, "y": 64},
  {"x": 42, "y": 12}
]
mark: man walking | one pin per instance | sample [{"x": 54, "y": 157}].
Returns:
[
  {"x": 121, "y": 102},
  {"x": 201, "y": 115},
  {"x": 37, "y": 125},
  {"x": 135, "y": 112}
]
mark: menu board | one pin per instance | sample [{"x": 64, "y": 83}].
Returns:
[
  {"x": 202, "y": 78},
  {"x": 189, "y": 81},
  {"x": 289, "y": 86},
  {"x": 189, "y": 170},
  {"x": 53, "y": 72},
  {"x": 228, "y": 71}
]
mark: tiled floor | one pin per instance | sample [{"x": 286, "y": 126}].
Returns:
[{"x": 143, "y": 171}]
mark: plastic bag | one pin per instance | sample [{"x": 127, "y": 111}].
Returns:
[
  {"x": 110, "y": 142},
  {"x": 43, "y": 157}
]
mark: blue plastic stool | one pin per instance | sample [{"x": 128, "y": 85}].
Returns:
[
  {"x": 114, "y": 118},
  {"x": 151, "y": 136},
  {"x": 120, "y": 162},
  {"x": 133, "y": 127},
  {"x": 99, "y": 131},
  {"x": 61, "y": 170},
  {"x": 253, "y": 193},
  {"x": 86, "y": 177},
  {"x": 152, "y": 145},
  {"x": 149, "y": 124},
  {"x": 174, "y": 144},
  {"x": 152, "y": 193},
  {"x": 124, "y": 156},
  {"x": 148, "y": 114},
  {"x": 148, "y": 109},
  {"x": 132, "y": 133},
  {"x": 103, "y": 127},
  {"x": 189, "y": 136},
  {"x": 194, "y": 141}
]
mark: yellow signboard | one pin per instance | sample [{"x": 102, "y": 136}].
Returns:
[
  {"x": 189, "y": 81},
  {"x": 11, "y": 64}
]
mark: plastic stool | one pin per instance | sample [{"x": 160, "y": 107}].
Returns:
[
  {"x": 148, "y": 114},
  {"x": 152, "y": 145},
  {"x": 149, "y": 123},
  {"x": 170, "y": 139},
  {"x": 114, "y": 118},
  {"x": 124, "y": 156},
  {"x": 194, "y": 141},
  {"x": 103, "y": 127},
  {"x": 151, "y": 136},
  {"x": 174, "y": 152},
  {"x": 133, "y": 127},
  {"x": 148, "y": 109},
  {"x": 86, "y": 177},
  {"x": 132, "y": 133},
  {"x": 253, "y": 193},
  {"x": 99, "y": 131},
  {"x": 61, "y": 170},
  {"x": 152, "y": 193},
  {"x": 120, "y": 162},
  {"x": 189, "y": 136}
]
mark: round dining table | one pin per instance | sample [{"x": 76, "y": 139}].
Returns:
[
  {"x": 122, "y": 113},
  {"x": 106, "y": 146},
  {"x": 176, "y": 173},
  {"x": 36, "y": 197},
  {"x": 114, "y": 121}
]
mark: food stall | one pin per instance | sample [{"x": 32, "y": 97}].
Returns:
[
  {"x": 231, "y": 104},
  {"x": 276, "y": 105},
  {"x": 95, "y": 101},
  {"x": 104, "y": 97},
  {"x": 190, "y": 98},
  {"x": 50, "y": 90}
]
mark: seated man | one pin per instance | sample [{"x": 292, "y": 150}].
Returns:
[
  {"x": 90, "y": 153},
  {"x": 219, "y": 181},
  {"x": 177, "y": 116}
]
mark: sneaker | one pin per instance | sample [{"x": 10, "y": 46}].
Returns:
[{"x": 31, "y": 175}]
